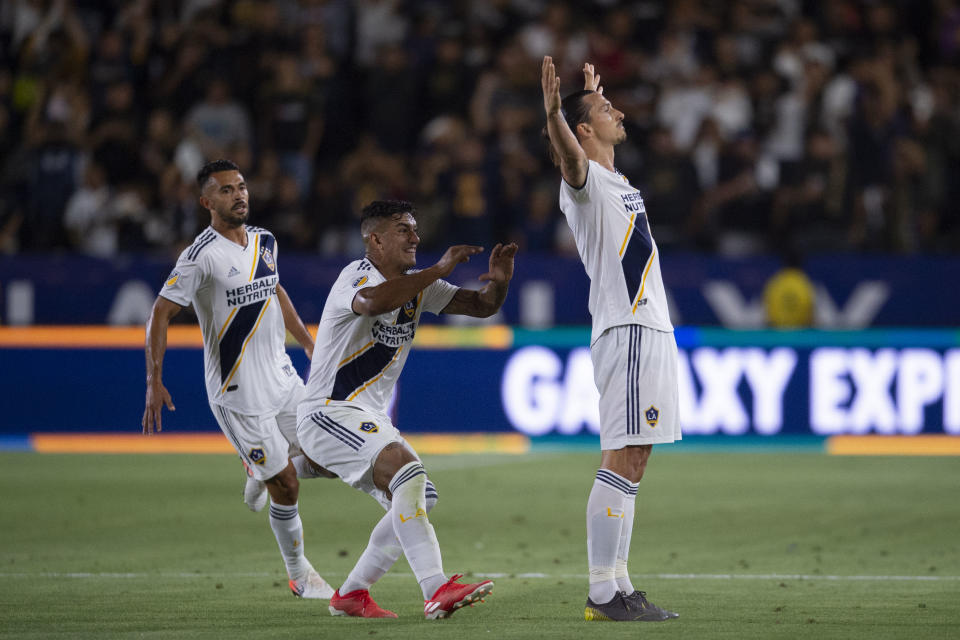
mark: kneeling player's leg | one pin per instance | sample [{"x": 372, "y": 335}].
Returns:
[
  {"x": 307, "y": 469},
  {"x": 407, "y": 484},
  {"x": 383, "y": 550}
]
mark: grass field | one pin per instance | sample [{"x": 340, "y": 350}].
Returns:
[{"x": 743, "y": 545}]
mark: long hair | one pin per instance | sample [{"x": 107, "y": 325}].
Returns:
[{"x": 574, "y": 110}]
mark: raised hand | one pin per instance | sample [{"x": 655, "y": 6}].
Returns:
[
  {"x": 501, "y": 264},
  {"x": 551, "y": 86},
  {"x": 454, "y": 256},
  {"x": 591, "y": 81}
]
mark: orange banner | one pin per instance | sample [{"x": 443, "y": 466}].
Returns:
[
  {"x": 426, "y": 444},
  {"x": 93, "y": 337},
  {"x": 872, "y": 445}
]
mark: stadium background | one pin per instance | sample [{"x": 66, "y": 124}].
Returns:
[{"x": 799, "y": 161}]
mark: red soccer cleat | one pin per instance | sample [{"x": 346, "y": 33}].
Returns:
[
  {"x": 452, "y": 595},
  {"x": 358, "y": 604}
]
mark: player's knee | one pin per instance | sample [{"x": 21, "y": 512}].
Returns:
[
  {"x": 629, "y": 462},
  {"x": 390, "y": 462},
  {"x": 636, "y": 468},
  {"x": 408, "y": 487},
  {"x": 284, "y": 488}
]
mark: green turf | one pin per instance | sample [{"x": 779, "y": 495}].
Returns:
[{"x": 163, "y": 547}]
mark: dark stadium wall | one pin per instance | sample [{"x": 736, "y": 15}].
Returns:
[{"x": 851, "y": 291}]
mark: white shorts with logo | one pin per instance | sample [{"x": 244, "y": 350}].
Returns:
[
  {"x": 264, "y": 442},
  {"x": 635, "y": 369},
  {"x": 346, "y": 439}
]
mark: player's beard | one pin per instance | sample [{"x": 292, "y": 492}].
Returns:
[
  {"x": 235, "y": 218},
  {"x": 622, "y": 137}
]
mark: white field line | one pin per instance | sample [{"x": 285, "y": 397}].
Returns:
[{"x": 523, "y": 576}]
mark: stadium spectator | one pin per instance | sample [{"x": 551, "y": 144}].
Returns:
[
  {"x": 291, "y": 121},
  {"x": 218, "y": 122},
  {"x": 880, "y": 77},
  {"x": 668, "y": 180},
  {"x": 87, "y": 217}
]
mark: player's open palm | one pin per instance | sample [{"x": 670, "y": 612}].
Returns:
[
  {"x": 551, "y": 86},
  {"x": 501, "y": 263},
  {"x": 455, "y": 255},
  {"x": 157, "y": 397},
  {"x": 591, "y": 80}
]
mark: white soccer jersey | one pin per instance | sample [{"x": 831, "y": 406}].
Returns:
[
  {"x": 234, "y": 293},
  {"x": 357, "y": 358},
  {"x": 610, "y": 227}
]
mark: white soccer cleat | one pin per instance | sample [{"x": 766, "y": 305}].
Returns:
[
  {"x": 312, "y": 588},
  {"x": 254, "y": 492}
]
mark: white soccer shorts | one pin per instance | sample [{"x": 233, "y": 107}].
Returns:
[
  {"x": 264, "y": 442},
  {"x": 346, "y": 439},
  {"x": 635, "y": 369}
]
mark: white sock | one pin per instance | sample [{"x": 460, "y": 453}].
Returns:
[
  {"x": 605, "y": 516},
  {"x": 409, "y": 516},
  {"x": 382, "y": 551},
  {"x": 623, "y": 549},
  {"x": 288, "y": 529}
]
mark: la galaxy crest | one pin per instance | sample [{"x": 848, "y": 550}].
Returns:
[
  {"x": 267, "y": 256},
  {"x": 369, "y": 427},
  {"x": 410, "y": 308},
  {"x": 652, "y": 414},
  {"x": 172, "y": 278},
  {"x": 359, "y": 281},
  {"x": 258, "y": 456}
]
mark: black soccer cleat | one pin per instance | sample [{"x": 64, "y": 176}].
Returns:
[
  {"x": 616, "y": 610},
  {"x": 645, "y": 610},
  {"x": 632, "y": 608}
]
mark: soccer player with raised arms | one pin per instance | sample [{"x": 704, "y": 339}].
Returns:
[
  {"x": 364, "y": 338},
  {"x": 230, "y": 275},
  {"x": 632, "y": 345}
]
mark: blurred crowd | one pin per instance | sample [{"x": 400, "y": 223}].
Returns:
[{"x": 753, "y": 125}]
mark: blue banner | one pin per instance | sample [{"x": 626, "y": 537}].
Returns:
[
  {"x": 851, "y": 291},
  {"x": 541, "y": 383}
]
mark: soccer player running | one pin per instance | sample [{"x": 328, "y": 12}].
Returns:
[
  {"x": 230, "y": 276},
  {"x": 363, "y": 341},
  {"x": 632, "y": 344}
]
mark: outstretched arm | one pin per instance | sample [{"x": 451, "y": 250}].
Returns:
[
  {"x": 390, "y": 295},
  {"x": 487, "y": 301},
  {"x": 156, "y": 347},
  {"x": 573, "y": 160},
  {"x": 293, "y": 323}
]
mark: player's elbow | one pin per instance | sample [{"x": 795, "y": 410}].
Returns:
[
  {"x": 485, "y": 309},
  {"x": 490, "y": 311},
  {"x": 366, "y": 305}
]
